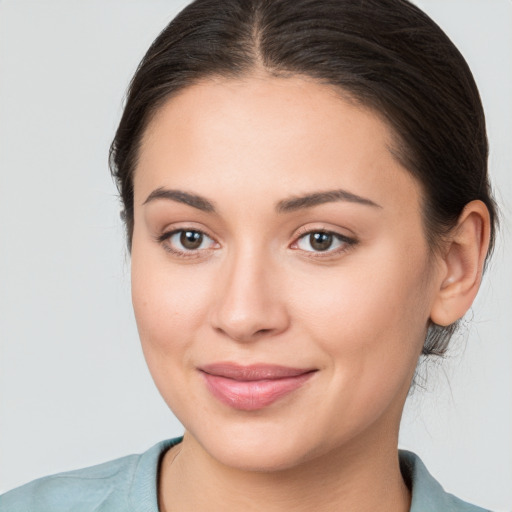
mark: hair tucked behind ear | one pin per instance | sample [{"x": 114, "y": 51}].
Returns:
[{"x": 385, "y": 54}]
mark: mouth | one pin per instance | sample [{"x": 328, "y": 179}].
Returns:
[{"x": 249, "y": 388}]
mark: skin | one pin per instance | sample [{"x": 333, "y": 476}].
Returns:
[{"x": 257, "y": 292}]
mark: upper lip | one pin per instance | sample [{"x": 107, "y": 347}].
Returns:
[{"x": 253, "y": 372}]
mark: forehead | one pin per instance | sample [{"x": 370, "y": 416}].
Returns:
[
  {"x": 294, "y": 132},
  {"x": 287, "y": 108}
]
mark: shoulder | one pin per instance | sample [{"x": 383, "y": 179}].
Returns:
[
  {"x": 84, "y": 488},
  {"x": 427, "y": 493},
  {"x": 128, "y": 483}
]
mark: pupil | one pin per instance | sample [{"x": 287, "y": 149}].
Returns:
[
  {"x": 191, "y": 239},
  {"x": 320, "y": 241}
]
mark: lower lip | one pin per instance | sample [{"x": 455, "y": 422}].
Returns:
[{"x": 254, "y": 394}]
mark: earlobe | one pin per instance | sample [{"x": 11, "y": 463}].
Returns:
[{"x": 463, "y": 262}]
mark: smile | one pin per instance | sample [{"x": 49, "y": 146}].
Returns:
[{"x": 254, "y": 387}]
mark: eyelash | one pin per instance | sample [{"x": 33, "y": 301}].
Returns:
[
  {"x": 191, "y": 253},
  {"x": 347, "y": 242}
]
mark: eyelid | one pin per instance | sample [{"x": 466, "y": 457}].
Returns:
[
  {"x": 175, "y": 227},
  {"x": 164, "y": 238},
  {"x": 348, "y": 241}
]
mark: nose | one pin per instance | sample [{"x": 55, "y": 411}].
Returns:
[{"x": 249, "y": 303}]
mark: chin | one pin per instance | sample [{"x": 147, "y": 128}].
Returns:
[
  {"x": 259, "y": 459},
  {"x": 260, "y": 448}
]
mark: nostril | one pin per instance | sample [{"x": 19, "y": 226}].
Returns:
[
  {"x": 243, "y": 335},
  {"x": 247, "y": 316},
  {"x": 263, "y": 331}
]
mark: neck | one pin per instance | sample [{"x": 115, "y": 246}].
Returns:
[{"x": 359, "y": 479}]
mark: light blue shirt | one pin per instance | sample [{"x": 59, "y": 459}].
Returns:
[{"x": 129, "y": 484}]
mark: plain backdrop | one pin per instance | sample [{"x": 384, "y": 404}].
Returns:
[{"x": 74, "y": 388}]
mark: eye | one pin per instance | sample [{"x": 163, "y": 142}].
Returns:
[
  {"x": 323, "y": 241},
  {"x": 183, "y": 241}
]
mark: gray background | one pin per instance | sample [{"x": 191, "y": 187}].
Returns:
[{"x": 74, "y": 389}]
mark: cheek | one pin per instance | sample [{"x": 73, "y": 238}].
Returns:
[
  {"x": 370, "y": 316},
  {"x": 169, "y": 309},
  {"x": 170, "y": 306},
  {"x": 370, "y": 324}
]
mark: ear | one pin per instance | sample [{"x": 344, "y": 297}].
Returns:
[{"x": 462, "y": 265}]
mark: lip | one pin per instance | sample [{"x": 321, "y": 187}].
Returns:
[{"x": 253, "y": 387}]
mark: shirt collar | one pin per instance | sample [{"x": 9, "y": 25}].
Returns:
[{"x": 427, "y": 493}]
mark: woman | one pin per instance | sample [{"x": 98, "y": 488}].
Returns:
[{"x": 308, "y": 211}]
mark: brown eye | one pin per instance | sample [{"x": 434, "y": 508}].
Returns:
[
  {"x": 191, "y": 239},
  {"x": 320, "y": 241},
  {"x": 324, "y": 241},
  {"x": 186, "y": 242}
]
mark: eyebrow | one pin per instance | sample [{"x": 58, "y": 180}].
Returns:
[
  {"x": 180, "y": 196},
  {"x": 329, "y": 196},
  {"x": 284, "y": 206}
]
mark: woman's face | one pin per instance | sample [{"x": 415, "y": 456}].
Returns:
[{"x": 281, "y": 279}]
